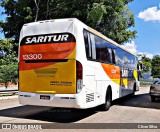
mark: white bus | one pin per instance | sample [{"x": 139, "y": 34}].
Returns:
[{"x": 65, "y": 63}]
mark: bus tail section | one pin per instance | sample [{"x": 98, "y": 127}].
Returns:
[{"x": 49, "y": 73}]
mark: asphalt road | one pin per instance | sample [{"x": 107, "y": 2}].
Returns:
[{"x": 134, "y": 109}]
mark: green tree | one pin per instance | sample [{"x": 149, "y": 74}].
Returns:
[
  {"x": 110, "y": 17},
  {"x": 113, "y": 20},
  {"x": 147, "y": 63},
  {"x": 96, "y": 14},
  {"x": 8, "y": 63},
  {"x": 156, "y": 66}
]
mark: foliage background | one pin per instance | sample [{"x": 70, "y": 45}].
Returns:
[
  {"x": 112, "y": 18},
  {"x": 8, "y": 63}
]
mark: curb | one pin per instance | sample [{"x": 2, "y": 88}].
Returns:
[{"x": 9, "y": 97}]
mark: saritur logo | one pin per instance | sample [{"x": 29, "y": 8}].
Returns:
[{"x": 47, "y": 39}]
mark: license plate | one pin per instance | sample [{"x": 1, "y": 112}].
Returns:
[{"x": 45, "y": 97}]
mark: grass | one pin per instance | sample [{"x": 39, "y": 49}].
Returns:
[{"x": 145, "y": 84}]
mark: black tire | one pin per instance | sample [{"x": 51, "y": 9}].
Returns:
[
  {"x": 134, "y": 90},
  {"x": 108, "y": 101},
  {"x": 153, "y": 99}
]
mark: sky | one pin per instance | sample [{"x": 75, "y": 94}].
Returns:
[
  {"x": 2, "y": 17},
  {"x": 147, "y": 25}
]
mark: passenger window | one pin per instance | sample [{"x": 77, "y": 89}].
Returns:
[
  {"x": 102, "y": 51},
  {"x": 125, "y": 59},
  {"x": 93, "y": 46},
  {"x": 113, "y": 57},
  {"x": 119, "y": 57},
  {"x": 87, "y": 44},
  {"x": 99, "y": 49},
  {"x": 106, "y": 57}
]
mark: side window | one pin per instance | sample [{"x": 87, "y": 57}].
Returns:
[
  {"x": 87, "y": 44},
  {"x": 105, "y": 55},
  {"x": 128, "y": 60},
  {"x": 116, "y": 57},
  {"x": 102, "y": 51},
  {"x": 119, "y": 56},
  {"x": 99, "y": 49},
  {"x": 93, "y": 46},
  {"x": 125, "y": 58},
  {"x": 113, "y": 56},
  {"x": 132, "y": 62}
]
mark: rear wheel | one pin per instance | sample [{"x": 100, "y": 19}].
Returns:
[
  {"x": 108, "y": 100},
  {"x": 153, "y": 99}
]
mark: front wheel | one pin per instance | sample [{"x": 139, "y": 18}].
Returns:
[
  {"x": 108, "y": 100},
  {"x": 134, "y": 89}
]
